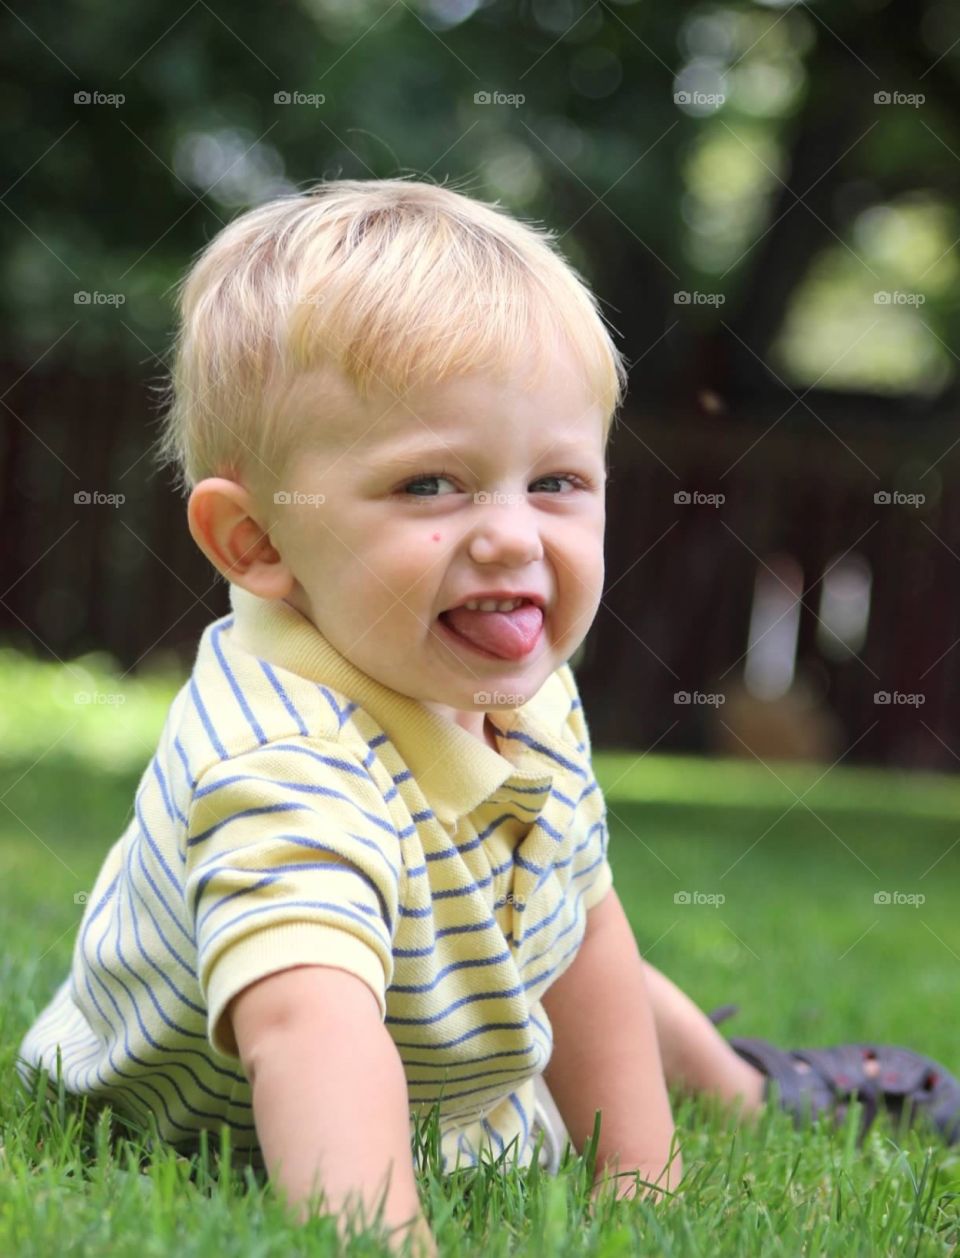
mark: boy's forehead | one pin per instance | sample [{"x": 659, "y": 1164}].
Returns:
[
  {"x": 385, "y": 424},
  {"x": 327, "y": 414},
  {"x": 371, "y": 428}
]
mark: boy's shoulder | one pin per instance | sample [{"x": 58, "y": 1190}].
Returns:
[
  {"x": 557, "y": 703},
  {"x": 236, "y": 701},
  {"x": 563, "y": 708}
]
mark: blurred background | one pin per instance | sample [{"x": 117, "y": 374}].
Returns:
[{"x": 764, "y": 196}]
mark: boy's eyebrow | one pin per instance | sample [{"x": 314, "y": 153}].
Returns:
[
  {"x": 409, "y": 456},
  {"x": 417, "y": 454}
]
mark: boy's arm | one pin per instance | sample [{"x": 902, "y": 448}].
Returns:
[
  {"x": 605, "y": 1052},
  {"x": 330, "y": 1097}
]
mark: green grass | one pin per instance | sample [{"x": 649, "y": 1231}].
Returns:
[{"x": 798, "y": 942}]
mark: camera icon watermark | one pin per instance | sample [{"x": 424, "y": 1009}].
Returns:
[
  {"x": 694, "y": 498},
  {"x": 113, "y": 99},
  {"x": 296, "y": 498},
  {"x": 683, "y": 298},
  {"x": 896, "y": 297},
  {"x": 83, "y": 298},
  {"x": 912, "y": 898},
  {"x": 699, "y": 698},
  {"x": 516, "y": 99},
  {"x": 700, "y": 100},
  {"x": 496, "y": 699},
  {"x": 511, "y": 897},
  {"x": 484, "y": 497},
  {"x": 893, "y": 497},
  {"x": 80, "y": 897},
  {"x": 899, "y": 698},
  {"x": 94, "y": 498},
  {"x": 313, "y": 99},
  {"x": 914, "y": 99},
  {"x": 99, "y": 698},
  {"x": 712, "y": 898}
]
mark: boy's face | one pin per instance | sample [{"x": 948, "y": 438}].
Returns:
[{"x": 472, "y": 486}]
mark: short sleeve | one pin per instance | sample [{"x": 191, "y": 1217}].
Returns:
[
  {"x": 599, "y": 879},
  {"x": 592, "y": 867},
  {"x": 575, "y": 722},
  {"x": 291, "y": 859}
]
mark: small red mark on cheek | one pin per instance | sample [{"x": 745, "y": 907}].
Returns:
[{"x": 436, "y": 537}]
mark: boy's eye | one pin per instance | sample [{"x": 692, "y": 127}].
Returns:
[
  {"x": 425, "y": 478},
  {"x": 410, "y": 488},
  {"x": 574, "y": 482}
]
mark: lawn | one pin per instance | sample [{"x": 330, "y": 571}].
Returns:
[{"x": 744, "y": 883}]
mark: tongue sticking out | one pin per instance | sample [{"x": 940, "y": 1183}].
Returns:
[{"x": 511, "y": 635}]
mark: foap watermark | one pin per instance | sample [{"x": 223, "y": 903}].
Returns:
[
  {"x": 94, "y": 498},
  {"x": 510, "y": 898},
  {"x": 516, "y": 99},
  {"x": 914, "y": 99},
  {"x": 83, "y": 298},
  {"x": 913, "y": 898},
  {"x": 896, "y": 297},
  {"x": 496, "y": 699},
  {"x": 683, "y": 298},
  {"x": 700, "y": 100},
  {"x": 486, "y": 497},
  {"x": 296, "y": 498},
  {"x": 694, "y": 498},
  {"x": 699, "y": 699},
  {"x": 894, "y": 498},
  {"x": 313, "y": 99},
  {"x": 712, "y": 898},
  {"x": 899, "y": 699},
  {"x": 113, "y": 99},
  {"x": 99, "y": 698}
]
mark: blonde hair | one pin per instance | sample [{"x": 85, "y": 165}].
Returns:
[{"x": 394, "y": 282}]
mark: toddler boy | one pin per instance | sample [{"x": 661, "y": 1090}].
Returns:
[
  {"x": 367, "y": 867},
  {"x": 370, "y": 839}
]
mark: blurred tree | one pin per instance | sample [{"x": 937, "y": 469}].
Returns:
[{"x": 726, "y": 151}]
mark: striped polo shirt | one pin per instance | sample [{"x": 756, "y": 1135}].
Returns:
[{"x": 297, "y": 811}]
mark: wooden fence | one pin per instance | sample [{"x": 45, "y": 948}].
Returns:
[{"x": 84, "y": 574}]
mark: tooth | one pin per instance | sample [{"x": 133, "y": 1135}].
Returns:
[{"x": 492, "y": 604}]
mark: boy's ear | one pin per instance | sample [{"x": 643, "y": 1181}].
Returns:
[{"x": 223, "y": 520}]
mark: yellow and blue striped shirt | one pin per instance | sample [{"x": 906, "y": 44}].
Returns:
[{"x": 299, "y": 812}]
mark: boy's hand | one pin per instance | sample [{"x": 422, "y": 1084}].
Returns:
[
  {"x": 423, "y": 1244},
  {"x": 606, "y": 1056},
  {"x": 659, "y": 1182}
]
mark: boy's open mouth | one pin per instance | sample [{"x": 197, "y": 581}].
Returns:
[{"x": 504, "y": 635}]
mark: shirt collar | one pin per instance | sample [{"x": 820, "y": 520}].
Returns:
[{"x": 455, "y": 770}]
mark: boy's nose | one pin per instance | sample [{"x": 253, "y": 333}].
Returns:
[{"x": 506, "y": 543}]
